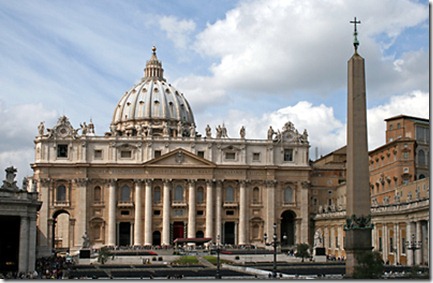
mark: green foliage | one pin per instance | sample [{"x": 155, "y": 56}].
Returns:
[
  {"x": 369, "y": 265},
  {"x": 187, "y": 259},
  {"x": 302, "y": 251}
]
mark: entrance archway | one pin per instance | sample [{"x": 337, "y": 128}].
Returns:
[
  {"x": 61, "y": 231},
  {"x": 288, "y": 225},
  {"x": 178, "y": 230},
  {"x": 229, "y": 233},
  {"x": 156, "y": 238},
  {"x": 124, "y": 234}
]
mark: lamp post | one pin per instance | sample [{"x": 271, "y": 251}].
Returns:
[
  {"x": 413, "y": 245},
  {"x": 218, "y": 275},
  {"x": 274, "y": 243}
]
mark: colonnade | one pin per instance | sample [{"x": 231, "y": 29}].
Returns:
[
  {"x": 214, "y": 211},
  {"x": 402, "y": 240}
]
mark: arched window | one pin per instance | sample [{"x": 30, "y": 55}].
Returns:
[
  {"x": 61, "y": 193},
  {"x": 230, "y": 195},
  {"x": 200, "y": 195},
  {"x": 178, "y": 193},
  {"x": 421, "y": 157},
  {"x": 97, "y": 194},
  {"x": 288, "y": 195},
  {"x": 157, "y": 195},
  {"x": 125, "y": 194},
  {"x": 256, "y": 195}
]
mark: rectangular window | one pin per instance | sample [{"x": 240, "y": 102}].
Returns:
[
  {"x": 336, "y": 242},
  {"x": 157, "y": 153},
  {"x": 288, "y": 154},
  {"x": 98, "y": 154},
  {"x": 200, "y": 154},
  {"x": 256, "y": 156},
  {"x": 125, "y": 154},
  {"x": 62, "y": 150},
  {"x": 403, "y": 245},
  {"x": 199, "y": 212},
  {"x": 230, "y": 212},
  {"x": 157, "y": 212},
  {"x": 230, "y": 155},
  {"x": 124, "y": 212}
]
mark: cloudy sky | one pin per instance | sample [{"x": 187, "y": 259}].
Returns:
[{"x": 251, "y": 63}]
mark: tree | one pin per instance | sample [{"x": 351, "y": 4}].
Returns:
[
  {"x": 302, "y": 251},
  {"x": 369, "y": 265}
]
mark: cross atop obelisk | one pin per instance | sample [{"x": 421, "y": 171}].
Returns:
[{"x": 355, "y": 34}]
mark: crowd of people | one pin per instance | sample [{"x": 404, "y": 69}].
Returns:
[{"x": 52, "y": 267}]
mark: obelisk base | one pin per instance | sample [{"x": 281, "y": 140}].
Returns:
[{"x": 357, "y": 241}]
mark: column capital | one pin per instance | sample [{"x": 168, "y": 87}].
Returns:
[
  {"x": 192, "y": 181},
  {"x": 81, "y": 181},
  {"x": 148, "y": 181},
  {"x": 139, "y": 181}
]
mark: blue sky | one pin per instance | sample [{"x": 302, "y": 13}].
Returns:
[{"x": 251, "y": 63}]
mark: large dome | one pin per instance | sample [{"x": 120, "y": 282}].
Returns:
[{"x": 153, "y": 107}]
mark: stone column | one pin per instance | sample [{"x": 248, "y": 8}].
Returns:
[
  {"x": 23, "y": 259},
  {"x": 270, "y": 208},
  {"x": 191, "y": 209},
  {"x": 44, "y": 248},
  {"x": 138, "y": 221},
  {"x": 81, "y": 212},
  {"x": 243, "y": 214},
  {"x": 418, "y": 239},
  {"x": 111, "y": 237},
  {"x": 166, "y": 214},
  {"x": 148, "y": 214},
  {"x": 409, "y": 253},
  {"x": 397, "y": 243},
  {"x": 218, "y": 220},
  {"x": 32, "y": 244},
  {"x": 305, "y": 227},
  {"x": 385, "y": 243},
  {"x": 209, "y": 209}
]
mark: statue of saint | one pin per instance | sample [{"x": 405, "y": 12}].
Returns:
[
  {"x": 242, "y": 132},
  {"x": 270, "y": 133},
  {"x": 41, "y": 129},
  {"x": 208, "y": 131},
  {"x": 86, "y": 240}
]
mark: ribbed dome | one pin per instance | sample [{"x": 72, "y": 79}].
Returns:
[{"x": 153, "y": 107}]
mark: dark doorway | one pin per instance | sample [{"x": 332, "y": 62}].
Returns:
[
  {"x": 229, "y": 233},
  {"x": 288, "y": 228},
  {"x": 156, "y": 238},
  {"x": 199, "y": 234},
  {"x": 9, "y": 243},
  {"x": 124, "y": 234},
  {"x": 178, "y": 230}
]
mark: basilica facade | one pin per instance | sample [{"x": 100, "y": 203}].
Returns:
[{"x": 153, "y": 177}]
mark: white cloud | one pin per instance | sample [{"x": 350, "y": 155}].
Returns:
[{"x": 178, "y": 31}]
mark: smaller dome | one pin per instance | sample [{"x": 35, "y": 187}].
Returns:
[{"x": 153, "y": 107}]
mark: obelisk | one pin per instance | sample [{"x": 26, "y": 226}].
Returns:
[{"x": 358, "y": 221}]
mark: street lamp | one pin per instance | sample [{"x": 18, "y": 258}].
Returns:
[
  {"x": 413, "y": 246},
  {"x": 217, "y": 275},
  {"x": 275, "y": 244}
]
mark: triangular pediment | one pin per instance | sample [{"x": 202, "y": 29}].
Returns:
[{"x": 180, "y": 157}]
